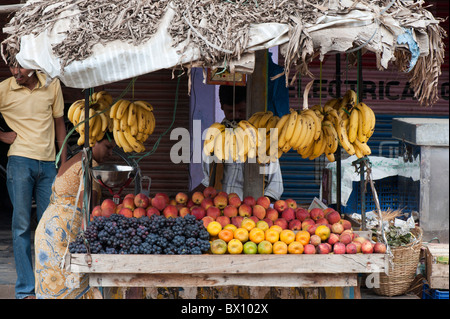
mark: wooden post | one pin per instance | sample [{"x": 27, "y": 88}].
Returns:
[{"x": 256, "y": 101}]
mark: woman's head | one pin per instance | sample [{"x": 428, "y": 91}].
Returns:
[{"x": 103, "y": 149}]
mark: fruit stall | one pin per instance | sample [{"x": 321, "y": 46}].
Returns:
[{"x": 211, "y": 238}]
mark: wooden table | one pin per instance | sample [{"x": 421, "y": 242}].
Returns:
[{"x": 328, "y": 270}]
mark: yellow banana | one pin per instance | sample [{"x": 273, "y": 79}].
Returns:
[
  {"x": 96, "y": 128},
  {"x": 331, "y": 103},
  {"x": 228, "y": 153},
  {"x": 318, "y": 146},
  {"x": 349, "y": 100},
  {"x": 239, "y": 145},
  {"x": 310, "y": 132},
  {"x": 281, "y": 123},
  {"x": 255, "y": 118},
  {"x": 242, "y": 139},
  {"x": 360, "y": 135},
  {"x": 131, "y": 114},
  {"x": 219, "y": 144},
  {"x": 122, "y": 109},
  {"x": 367, "y": 118},
  {"x": 264, "y": 119},
  {"x": 294, "y": 140},
  {"x": 353, "y": 129},
  {"x": 123, "y": 142},
  {"x": 358, "y": 151},
  {"x": 113, "y": 109},
  {"x": 72, "y": 108},
  {"x": 251, "y": 131},
  {"x": 272, "y": 122},
  {"x": 145, "y": 105},
  {"x": 343, "y": 138},
  {"x": 291, "y": 124},
  {"x": 372, "y": 122},
  {"x": 211, "y": 134},
  {"x": 80, "y": 140},
  {"x": 317, "y": 122},
  {"x": 330, "y": 157},
  {"x": 124, "y": 121},
  {"x": 365, "y": 149},
  {"x": 105, "y": 121},
  {"x": 331, "y": 132},
  {"x": 133, "y": 142},
  {"x": 116, "y": 138}
]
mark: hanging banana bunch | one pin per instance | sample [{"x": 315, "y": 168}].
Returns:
[
  {"x": 132, "y": 124},
  {"x": 99, "y": 120}
]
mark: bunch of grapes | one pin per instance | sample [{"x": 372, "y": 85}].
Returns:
[{"x": 118, "y": 234}]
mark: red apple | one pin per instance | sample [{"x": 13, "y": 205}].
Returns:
[
  {"x": 118, "y": 208},
  {"x": 291, "y": 203},
  {"x": 234, "y": 201},
  {"x": 339, "y": 248},
  {"x": 333, "y": 217},
  {"x": 212, "y": 211},
  {"x": 367, "y": 247},
  {"x": 264, "y": 201},
  {"x": 198, "y": 211},
  {"x": 357, "y": 245},
  {"x": 130, "y": 195},
  {"x": 206, "y": 220},
  {"x": 159, "y": 202},
  {"x": 301, "y": 214},
  {"x": 309, "y": 249},
  {"x": 209, "y": 192},
  {"x": 139, "y": 212},
  {"x": 197, "y": 198},
  {"x": 245, "y": 210},
  {"x": 259, "y": 211},
  {"x": 181, "y": 198},
  {"x": 129, "y": 203},
  {"x": 288, "y": 214},
  {"x": 126, "y": 212},
  {"x": 346, "y": 224},
  {"x": 281, "y": 222},
  {"x": 272, "y": 214},
  {"x": 190, "y": 203},
  {"x": 323, "y": 248},
  {"x": 229, "y": 211},
  {"x": 108, "y": 203},
  {"x": 307, "y": 222},
  {"x": 322, "y": 221},
  {"x": 223, "y": 220},
  {"x": 309, "y": 228},
  {"x": 170, "y": 211},
  {"x": 221, "y": 201},
  {"x": 315, "y": 240},
  {"x": 141, "y": 200},
  {"x": 295, "y": 224},
  {"x": 280, "y": 205},
  {"x": 316, "y": 213},
  {"x": 345, "y": 238},
  {"x": 237, "y": 220},
  {"x": 207, "y": 203},
  {"x": 254, "y": 218},
  {"x": 351, "y": 249},
  {"x": 250, "y": 201},
  {"x": 96, "y": 211},
  {"x": 183, "y": 211},
  {"x": 337, "y": 228},
  {"x": 333, "y": 239},
  {"x": 379, "y": 248}
]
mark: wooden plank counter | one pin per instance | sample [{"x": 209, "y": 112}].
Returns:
[{"x": 226, "y": 270}]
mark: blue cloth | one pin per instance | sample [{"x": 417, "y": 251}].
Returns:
[
  {"x": 278, "y": 93},
  {"x": 407, "y": 38},
  {"x": 27, "y": 178}
]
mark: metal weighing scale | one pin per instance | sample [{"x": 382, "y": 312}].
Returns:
[{"x": 112, "y": 176}]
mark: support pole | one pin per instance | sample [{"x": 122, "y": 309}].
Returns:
[{"x": 338, "y": 151}]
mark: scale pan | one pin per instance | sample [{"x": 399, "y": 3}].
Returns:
[{"x": 112, "y": 175}]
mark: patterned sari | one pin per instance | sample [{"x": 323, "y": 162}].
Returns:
[{"x": 59, "y": 226}]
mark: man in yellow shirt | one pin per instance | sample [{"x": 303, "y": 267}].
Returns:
[{"x": 34, "y": 111}]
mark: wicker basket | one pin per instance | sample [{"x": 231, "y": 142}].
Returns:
[{"x": 403, "y": 268}]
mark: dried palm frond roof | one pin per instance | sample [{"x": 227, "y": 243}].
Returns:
[{"x": 220, "y": 30}]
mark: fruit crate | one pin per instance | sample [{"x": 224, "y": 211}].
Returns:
[
  {"x": 327, "y": 270},
  {"x": 437, "y": 267},
  {"x": 389, "y": 197},
  {"x": 429, "y": 293}
]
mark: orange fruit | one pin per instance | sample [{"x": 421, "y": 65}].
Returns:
[
  {"x": 219, "y": 247},
  {"x": 226, "y": 235},
  {"x": 277, "y": 228},
  {"x": 214, "y": 228},
  {"x": 241, "y": 234},
  {"x": 256, "y": 235},
  {"x": 235, "y": 246},
  {"x": 230, "y": 226},
  {"x": 280, "y": 248},
  {"x": 264, "y": 247},
  {"x": 323, "y": 232},
  {"x": 263, "y": 225},
  {"x": 248, "y": 224},
  {"x": 303, "y": 237},
  {"x": 287, "y": 236},
  {"x": 295, "y": 247},
  {"x": 272, "y": 235}
]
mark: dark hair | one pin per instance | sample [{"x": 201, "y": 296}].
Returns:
[{"x": 226, "y": 94}]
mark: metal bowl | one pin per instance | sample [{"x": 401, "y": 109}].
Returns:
[{"x": 112, "y": 175}]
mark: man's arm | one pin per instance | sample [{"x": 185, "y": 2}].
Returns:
[
  {"x": 8, "y": 137},
  {"x": 60, "y": 130}
]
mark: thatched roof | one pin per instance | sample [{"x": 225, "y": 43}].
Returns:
[{"x": 79, "y": 37}]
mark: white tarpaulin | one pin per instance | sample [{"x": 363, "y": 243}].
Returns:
[{"x": 340, "y": 27}]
